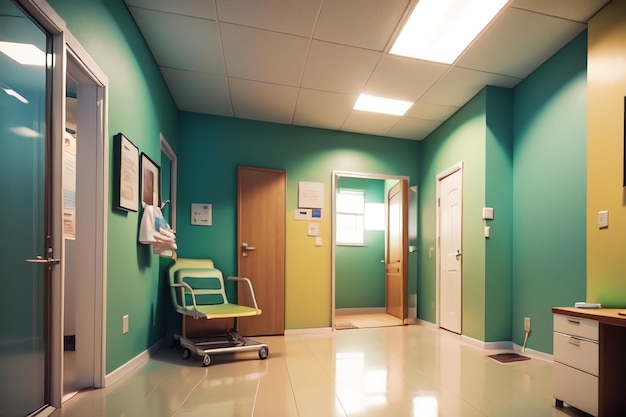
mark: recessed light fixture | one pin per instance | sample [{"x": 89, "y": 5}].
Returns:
[
  {"x": 23, "y": 53},
  {"x": 382, "y": 105},
  {"x": 440, "y": 30}
]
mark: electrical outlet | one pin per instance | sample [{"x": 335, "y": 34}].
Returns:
[
  {"x": 125, "y": 324},
  {"x": 527, "y": 324}
]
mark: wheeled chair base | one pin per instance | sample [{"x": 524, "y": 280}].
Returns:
[{"x": 231, "y": 342}]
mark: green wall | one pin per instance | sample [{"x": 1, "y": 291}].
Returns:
[
  {"x": 499, "y": 196},
  {"x": 140, "y": 106},
  {"x": 460, "y": 138},
  {"x": 359, "y": 273},
  {"x": 212, "y": 147},
  {"x": 524, "y": 154},
  {"x": 546, "y": 248},
  {"x": 549, "y": 237}
]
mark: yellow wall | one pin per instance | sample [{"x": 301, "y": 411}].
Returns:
[
  {"x": 307, "y": 271},
  {"x": 606, "y": 83}
]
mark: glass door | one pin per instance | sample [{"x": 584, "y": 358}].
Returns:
[{"x": 24, "y": 200}]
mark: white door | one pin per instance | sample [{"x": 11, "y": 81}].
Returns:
[{"x": 450, "y": 266}]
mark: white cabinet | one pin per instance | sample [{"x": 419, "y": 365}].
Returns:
[{"x": 576, "y": 362}]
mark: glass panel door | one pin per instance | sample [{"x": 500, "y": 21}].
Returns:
[{"x": 23, "y": 201}]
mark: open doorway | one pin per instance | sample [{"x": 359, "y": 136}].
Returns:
[
  {"x": 368, "y": 288},
  {"x": 84, "y": 170}
]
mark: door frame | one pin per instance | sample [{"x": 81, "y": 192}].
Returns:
[
  {"x": 64, "y": 43},
  {"x": 336, "y": 176},
  {"x": 453, "y": 169}
]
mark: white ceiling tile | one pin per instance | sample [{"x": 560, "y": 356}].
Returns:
[
  {"x": 432, "y": 112},
  {"x": 322, "y": 109},
  {"x": 285, "y": 16},
  {"x": 173, "y": 40},
  {"x": 198, "y": 92},
  {"x": 362, "y": 23},
  {"x": 338, "y": 68},
  {"x": 369, "y": 123},
  {"x": 519, "y": 42},
  {"x": 261, "y": 101},
  {"x": 279, "y": 71},
  {"x": 402, "y": 78},
  {"x": 415, "y": 129},
  {"x": 459, "y": 85},
  {"x": 578, "y": 10},
  {"x": 197, "y": 8},
  {"x": 260, "y": 55}
]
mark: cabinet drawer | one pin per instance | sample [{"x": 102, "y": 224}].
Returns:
[
  {"x": 576, "y": 326},
  {"x": 577, "y": 353},
  {"x": 576, "y": 388}
]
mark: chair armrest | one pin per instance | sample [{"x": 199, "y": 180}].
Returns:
[
  {"x": 187, "y": 288},
  {"x": 246, "y": 280}
]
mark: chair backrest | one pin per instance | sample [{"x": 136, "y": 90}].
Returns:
[{"x": 206, "y": 281}]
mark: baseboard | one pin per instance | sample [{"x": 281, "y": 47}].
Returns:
[
  {"x": 486, "y": 345},
  {"x": 315, "y": 330},
  {"x": 534, "y": 353},
  {"x": 366, "y": 310},
  {"x": 132, "y": 364},
  {"x": 426, "y": 323}
]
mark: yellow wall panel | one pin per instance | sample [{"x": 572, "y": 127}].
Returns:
[{"x": 606, "y": 81}]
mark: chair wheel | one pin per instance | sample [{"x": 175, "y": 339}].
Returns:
[
  {"x": 206, "y": 360},
  {"x": 186, "y": 353},
  {"x": 264, "y": 352}
]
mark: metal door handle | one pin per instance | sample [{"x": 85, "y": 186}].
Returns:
[
  {"x": 41, "y": 260},
  {"x": 246, "y": 248},
  {"x": 458, "y": 253}
]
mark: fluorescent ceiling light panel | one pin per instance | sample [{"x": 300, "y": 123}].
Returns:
[
  {"x": 382, "y": 105},
  {"x": 440, "y": 30},
  {"x": 15, "y": 94},
  {"x": 24, "y": 53}
]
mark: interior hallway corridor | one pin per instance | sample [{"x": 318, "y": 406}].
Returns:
[{"x": 398, "y": 371}]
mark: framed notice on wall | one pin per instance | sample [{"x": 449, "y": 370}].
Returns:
[
  {"x": 150, "y": 182},
  {"x": 126, "y": 174}
]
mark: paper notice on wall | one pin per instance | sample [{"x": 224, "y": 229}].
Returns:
[
  {"x": 310, "y": 194},
  {"x": 69, "y": 186}
]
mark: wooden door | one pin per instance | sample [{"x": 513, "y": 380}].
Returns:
[
  {"x": 450, "y": 274},
  {"x": 397, "y": 248},
  {"x": 261, "y": 247}
]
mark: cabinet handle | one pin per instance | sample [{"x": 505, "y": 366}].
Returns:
[
  {"x": 576, "y": 322},
  {"x": 574, "y": 341}
]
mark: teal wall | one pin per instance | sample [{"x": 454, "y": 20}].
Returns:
[
  {"x": 545, "y": 251},
  {"x": 359, "y": 273},
  {"x": 499, "y": 196},
  {"x": 549, "y": 235},
  {"x": 140, "y": 106},
  {"x": 524, "y": 154},
  {"x": 460, "y": 138},
  {"x": 212, "y": 147}
]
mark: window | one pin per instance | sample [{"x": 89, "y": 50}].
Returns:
[{"x": 350, "y": 216}]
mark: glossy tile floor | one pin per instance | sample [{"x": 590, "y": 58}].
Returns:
[
  {"x": 361, "y": 321},
  {"x": 399, "y": 371}
]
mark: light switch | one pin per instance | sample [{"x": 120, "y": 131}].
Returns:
[{"x": 603, "y": 219}]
